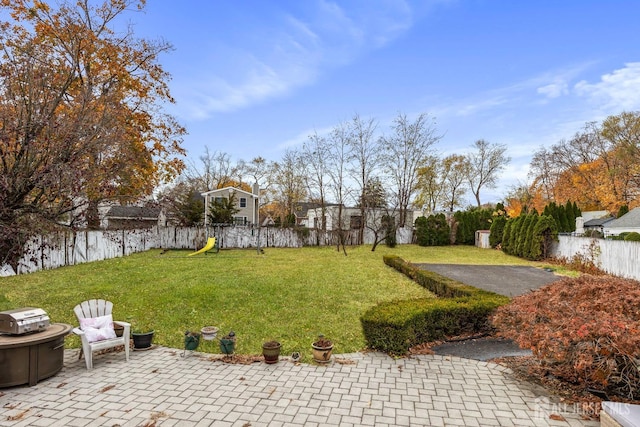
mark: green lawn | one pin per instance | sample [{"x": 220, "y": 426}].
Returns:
[{"x": 290, "y": 295}]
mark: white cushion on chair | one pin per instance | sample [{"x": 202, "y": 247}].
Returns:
[{"x": 98, "y": 328}]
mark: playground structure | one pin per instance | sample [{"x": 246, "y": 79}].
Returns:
[{"x": 211, "y": 245}]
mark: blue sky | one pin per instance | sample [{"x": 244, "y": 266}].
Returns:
[{"x": 255, "y": 77}]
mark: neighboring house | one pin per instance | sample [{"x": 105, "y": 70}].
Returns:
[
  {"x": 625, "y": 224},
  {"x": 246, "y": 203},
  {"x": 266, "y": 221},
  {"x": 131, "y": 217},
  {"x": 596, "y": 224},
  {"x": 352, "y": 217},
  {"x": 589, "y": 215},
  {"x": 303, "y": 216},
  {"x": 301, "y": 212},
  {"x": 592, "y": 220}
]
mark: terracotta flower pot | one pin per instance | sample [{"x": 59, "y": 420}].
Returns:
[
  {"x": 322, "y": 350},
  {"x": 271, "y": 351}
]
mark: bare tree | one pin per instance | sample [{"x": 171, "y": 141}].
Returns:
[
  {"x": 405, "y": 151},
  {"x": 215, "y": 170},
  {"x": 430, "y": 184},
  {"x": 590, "y": 168},
  {"x": 485, "y": 164},
  {"x": 455, "y": 169},
  {"x": 288, "y": 187},
  {"x": 258, "y": 170},
  {"x": 544, "y": 173},
  {"x": 338, "y": 160},
  {"x": 364, "y": 156},
  {"x": 315, "y": 155}
]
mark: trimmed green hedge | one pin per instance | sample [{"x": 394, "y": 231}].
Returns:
[{"x": 394, "y": 327}]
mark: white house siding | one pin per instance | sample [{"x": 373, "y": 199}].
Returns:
[
  {"x": 627, "y": 223},
  {"x": 610, "y": 231}
]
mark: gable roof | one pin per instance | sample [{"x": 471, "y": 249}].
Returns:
[
  {"x": 227, "y": 189},
  {"x": 630, "y": 219},
  {"x": 133, "y": 212},
  {"x": 596, "y": 222}
]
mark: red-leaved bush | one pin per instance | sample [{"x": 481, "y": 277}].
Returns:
[{"x": 584, "y": 330}]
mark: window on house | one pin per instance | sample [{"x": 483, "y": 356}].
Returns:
[
  {"x": 243, "y": 202},
  {"x": 240, "y": 220},
  {"x": 219, "y": 199},
  {"x": 355, "y": 222}
]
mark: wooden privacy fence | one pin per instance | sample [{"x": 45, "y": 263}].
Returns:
[{"x": 70, "y": 248}]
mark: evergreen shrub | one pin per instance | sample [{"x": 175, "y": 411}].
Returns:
[{"x": 396, "y": 326}]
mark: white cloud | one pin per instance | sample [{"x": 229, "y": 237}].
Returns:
[
  {"x": 258, "y": 84},
  {"x": 302, "y": 137},
  {"x": 554, "y": 90},
  {"x": 297, "y": 51},
  {"x": 618, "y": 89}
]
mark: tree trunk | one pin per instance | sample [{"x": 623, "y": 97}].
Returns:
[{"x": 92, "y": 215}]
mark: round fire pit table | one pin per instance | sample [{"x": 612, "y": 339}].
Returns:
[{"x": 29, "y": 358}]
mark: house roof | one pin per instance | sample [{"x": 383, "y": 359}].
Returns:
[
  {"x": 226, "y": 189},
  {"x": 302, "y": 209},
  {"x": 133, "y": 212},
  {"x": 589, "y": 215},
  {"x": 597, "y": 222},
  {"x": 630, "y": 219}
]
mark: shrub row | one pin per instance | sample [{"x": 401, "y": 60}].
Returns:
[
  {"x": 396, "y": 326},
  {"x": 529, "y": 236}
]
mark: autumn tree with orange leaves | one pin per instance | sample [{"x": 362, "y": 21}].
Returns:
[
  {"x": 81, "y": 118},
  {"x": 599, "y": 168}
]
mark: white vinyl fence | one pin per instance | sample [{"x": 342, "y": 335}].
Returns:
[
  {"x": 70, "y": 248},
  {"x": 616, "y": 257}
]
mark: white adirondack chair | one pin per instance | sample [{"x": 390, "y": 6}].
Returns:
[{"x": 92, "y": 309}]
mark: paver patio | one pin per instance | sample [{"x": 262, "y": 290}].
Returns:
[{"x": 161, "y": 388}]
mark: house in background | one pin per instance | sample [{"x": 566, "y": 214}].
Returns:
[
  {"x": 352, "y": 217},
  {"x": 246, "y": 203},
  {"x": 305, "y": 211},
  {"x": 596, "y": 224},
  {"x": 592, "y": 221},
  {"x": 589, "y": 215},
  {"x": 627, "y": 223},
  {"x": 132, "y": 217}
]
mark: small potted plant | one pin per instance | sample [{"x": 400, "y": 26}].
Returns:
[
  {"x": 142, "y": 335},
  {"x": 209, "y": 333},
  {"x": 271, "y": 351},
  {"x": 191, "y": 340},
  {"x": 228, "y": 343},
  {"x": 322, "y": 348}
]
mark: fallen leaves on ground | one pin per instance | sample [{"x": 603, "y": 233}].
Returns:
[{"x": 237, "y": 359}]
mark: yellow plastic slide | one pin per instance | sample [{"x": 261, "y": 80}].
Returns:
[{"x": 211, "y": 242}]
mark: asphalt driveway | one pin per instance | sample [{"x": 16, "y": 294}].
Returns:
[{"x": 508, "y": 280}]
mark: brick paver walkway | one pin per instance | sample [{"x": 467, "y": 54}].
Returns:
[{"x": 161, "y": 388}]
